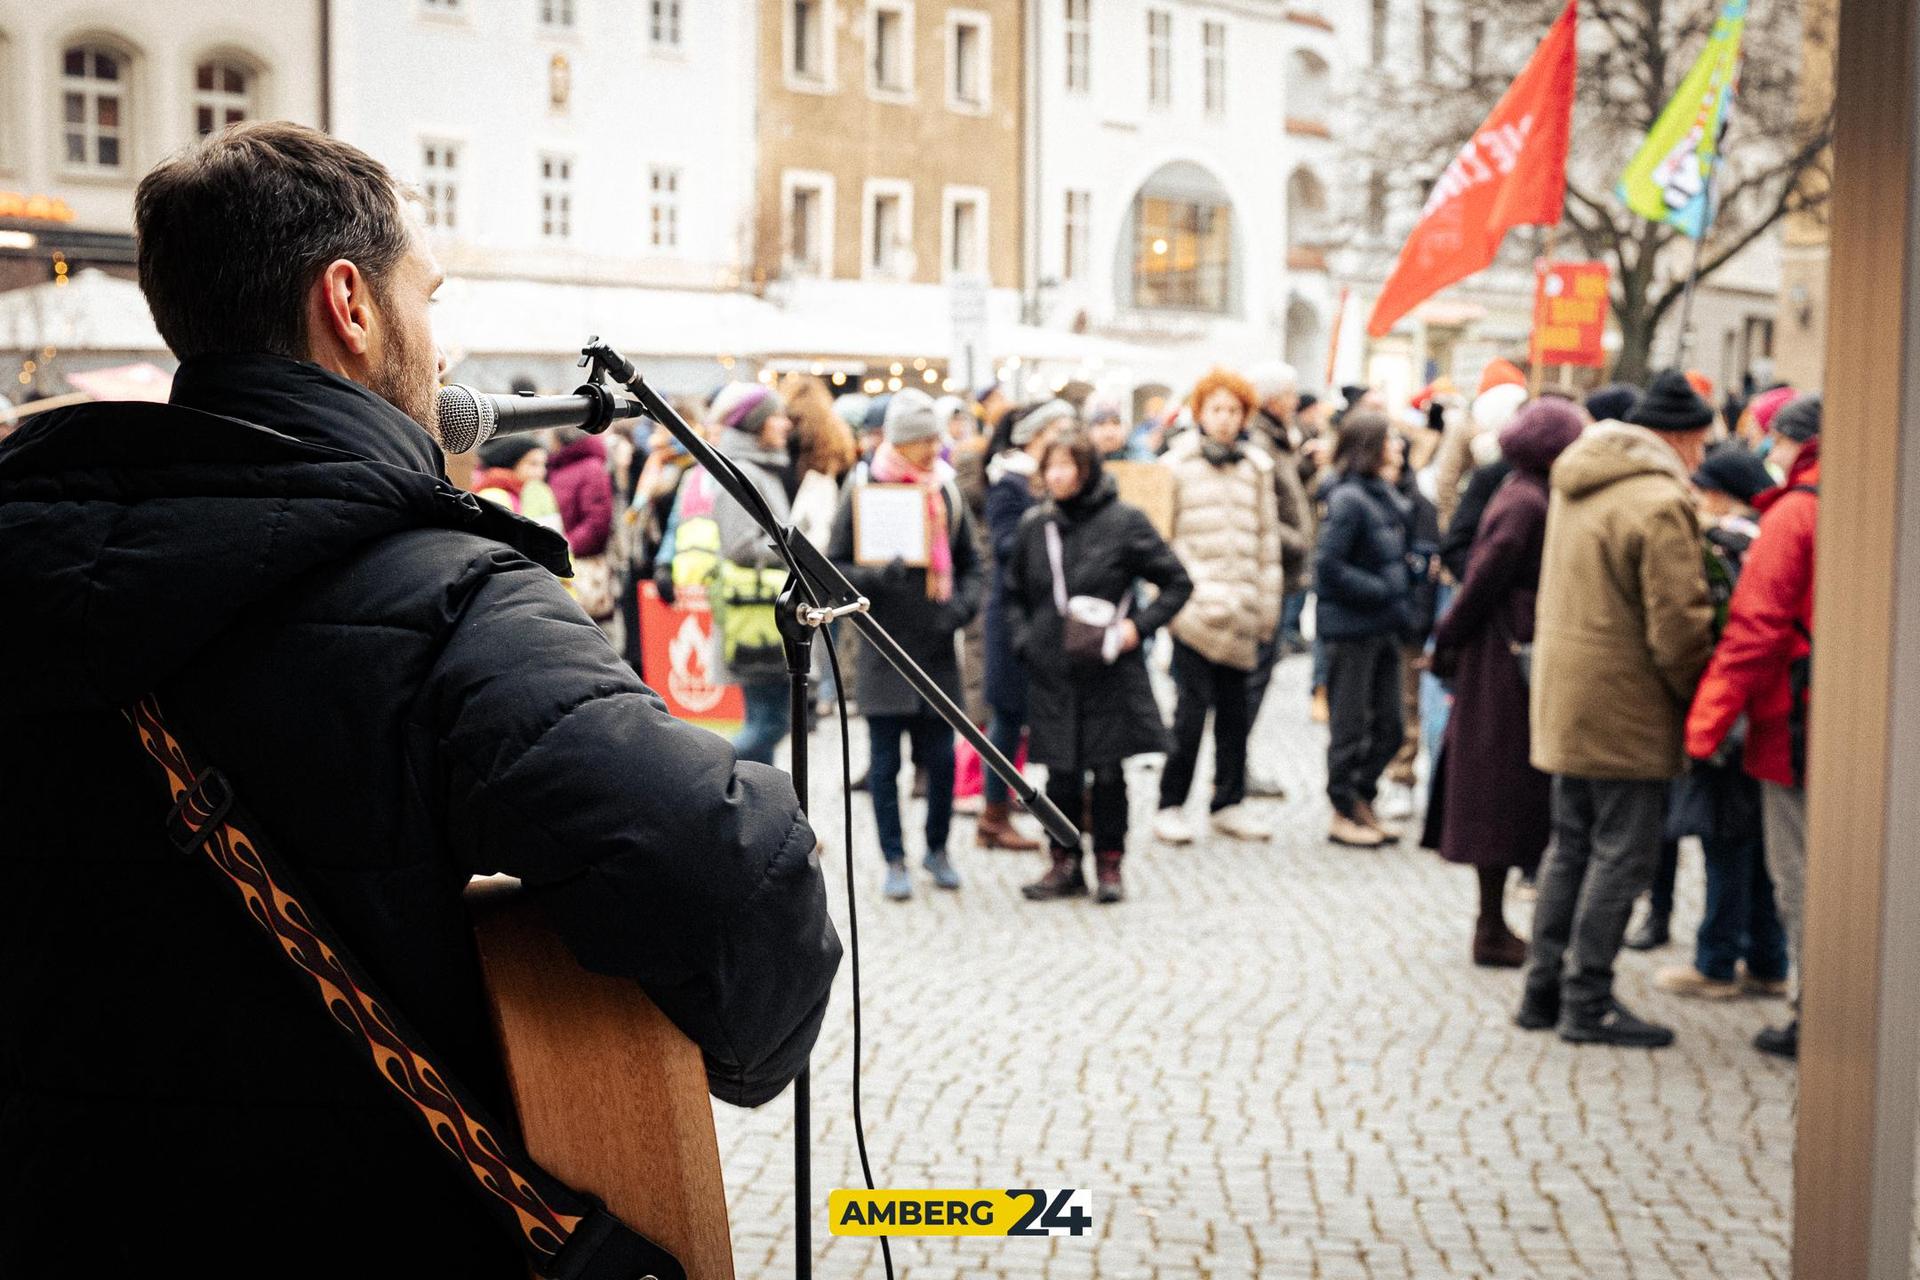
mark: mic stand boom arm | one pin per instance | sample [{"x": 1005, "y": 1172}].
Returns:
[
  {"x": 828, "y": 594},
  {"x": 817, "y": 593}
]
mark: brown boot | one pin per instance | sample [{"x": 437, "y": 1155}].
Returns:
[
  {"x": 994, "y": 829},
  {"x": 1363, "y": 814},
  {"x": 1107, "y": 874},
  {"x": 1353, "y": 834},
  {"x": 1497, "y": 947},
  {"x": 1064, "y": 879}
]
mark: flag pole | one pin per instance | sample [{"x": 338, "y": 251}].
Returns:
[
  {"x": 1693, "y": 279},
  {"x": 1535, "y": 369}
]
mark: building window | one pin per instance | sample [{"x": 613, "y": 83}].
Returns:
[
  {"x": 1183, "y": 254},
  {"x": 1377, "y": 47},
  {"x": 440, "y": 183},
  {"x": 1476, "y": 45},
  {"x": 1429, "y": 40},
  {"x": 810, "y": 42},
  {"x": 1079, "y": 45},
  {"x": 1377, "y": 193},
  {"x": 1079, "y": 221},
  {"x": 1307, "y": 225},
  {"x": 889, "y": 48},
  {"x": 556, "y": 198},
  {"x": 93, "y": 99},
  {"x": 663, "y": 24},
  {"x": 1159, "y": 57},
  {"x": 553, "y": 13},
  {"x": 222, "y": 95},
  {"x": 1213, "y": 41},
  {"x": 442, "y": 6},
  {"x": 888, "y": 234},
  {"x": 663, "y": 208},
  {"x": 969, "y": 77},
  {"x": 808, "y": 201},
  {"x": 964, "y": 232}
]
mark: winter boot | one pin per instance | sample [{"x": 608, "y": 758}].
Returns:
[
  {"x": 1495, "y": 946},
  {"x": 995, "y": 830},
  {"x": 1107, "y": 873},
  {"x": 1063, "y": 879}
]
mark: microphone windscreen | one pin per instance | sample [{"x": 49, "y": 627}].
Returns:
[{"x": 466, "y": 418}]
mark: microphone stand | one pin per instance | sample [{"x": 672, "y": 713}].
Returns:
[{"x": 817, "y": 593}]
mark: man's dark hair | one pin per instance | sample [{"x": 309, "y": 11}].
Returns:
[
  {"x": 234, "y": 230},
  {"x": 1360, "y": 449}
]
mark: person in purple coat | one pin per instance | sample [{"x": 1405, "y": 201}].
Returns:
[{"x": 1491, "y": 809}]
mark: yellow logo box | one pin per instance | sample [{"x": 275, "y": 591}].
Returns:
[{"x": 1022, "y": 1211}]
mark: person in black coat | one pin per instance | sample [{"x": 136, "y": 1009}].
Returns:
[
  {"x": 1364, "y": 585},
  {"x": 1086, "y": 717},
  {"x": 402, "y": 692},
  {"x": 924, "y": 609}
]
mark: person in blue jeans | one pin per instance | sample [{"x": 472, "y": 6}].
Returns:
[{"x": 924, "y": 608}]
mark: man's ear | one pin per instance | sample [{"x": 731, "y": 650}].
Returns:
[{"x": 342, "y": 301}]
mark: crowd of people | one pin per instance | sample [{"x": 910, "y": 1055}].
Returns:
[{"x": 1592, "y": 616}]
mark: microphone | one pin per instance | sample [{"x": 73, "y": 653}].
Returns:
[{"x": 469, "y": 418}]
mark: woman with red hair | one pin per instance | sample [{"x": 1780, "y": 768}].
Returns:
[{"x": 1226, "y": 531}]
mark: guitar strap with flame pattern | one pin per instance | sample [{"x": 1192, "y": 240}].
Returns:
[{"x": 565, "y": 1234}]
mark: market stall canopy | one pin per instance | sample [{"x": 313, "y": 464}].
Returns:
[{"x": 93, "y": 311}]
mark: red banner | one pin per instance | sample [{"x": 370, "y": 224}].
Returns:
[
  {"x": 1570, "y": 314},
  {"x": 1512, "y": 172},
  {"x": 676, "y": 660}
]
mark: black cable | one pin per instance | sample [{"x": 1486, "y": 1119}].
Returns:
[{"x": 853, "y": 920}]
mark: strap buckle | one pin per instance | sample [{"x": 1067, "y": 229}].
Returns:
[{"x": 200, "y": 810}]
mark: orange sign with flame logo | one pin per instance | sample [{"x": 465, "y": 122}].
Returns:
[{"x": 676, "y": 660}]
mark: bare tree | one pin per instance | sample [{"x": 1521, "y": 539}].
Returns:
[{"x": 1632, "y": 55}]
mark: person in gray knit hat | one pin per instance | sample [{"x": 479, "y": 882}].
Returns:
[{"x": 922, "y": 606}]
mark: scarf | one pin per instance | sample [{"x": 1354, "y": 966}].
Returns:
[{"x": 888, "y": 467}]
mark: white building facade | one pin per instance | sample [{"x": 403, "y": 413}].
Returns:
[
  {"x": 586, "y": 167},
  {"x": 1182, "y": 155}
]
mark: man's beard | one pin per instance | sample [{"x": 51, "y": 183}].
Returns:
[{"x": 408, "y": 381}]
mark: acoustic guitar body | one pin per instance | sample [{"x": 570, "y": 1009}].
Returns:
[{"x": 611, "y": 1097}]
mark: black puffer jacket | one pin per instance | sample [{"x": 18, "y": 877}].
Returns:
[
  {"x": 405, "y": 697},
  {"x": 1084, "y": 717},
  {"x": 1360, "y": 571}
]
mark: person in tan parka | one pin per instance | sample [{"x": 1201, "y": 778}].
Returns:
[
  {"x": 1623, "y": 631},
  {"x": 1226, "y": 531}
]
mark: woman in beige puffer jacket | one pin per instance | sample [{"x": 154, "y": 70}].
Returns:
[{"x": 1226, "y": 531}]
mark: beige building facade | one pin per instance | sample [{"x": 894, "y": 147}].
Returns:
[
  {"x": 889, "y": 141},
  {"x": 1800, "y": 347}
]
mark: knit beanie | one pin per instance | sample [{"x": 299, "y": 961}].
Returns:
[
  {"x": 506, "y": 451},
  {"x": 1768, "y": 403},
  {"x": 1038, "y": 419},
  {"x": 1611, "y": 402},
  {"x": 1670, "y": 404},
  {"x": 910, "y": 417},
  {"x": 1732, "y": 470},
  {"x": 1495, "y": 407},
  {"x": 753, "y": 410},
  {"x": 1800, "y": 420}
]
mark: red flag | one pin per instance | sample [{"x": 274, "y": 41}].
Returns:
[{"x": 1512, "y": 172}]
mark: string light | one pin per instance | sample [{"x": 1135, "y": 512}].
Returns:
[
  {"x": 930, "y": 375},
  {"x": 894, "y": 384}
]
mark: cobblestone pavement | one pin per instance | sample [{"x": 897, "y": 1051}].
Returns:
[{"x": 1271, "y": 1060}]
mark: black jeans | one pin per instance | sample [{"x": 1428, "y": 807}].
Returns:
[
  {"x": 1261, "y": 676},
  {"x": 1205, "y": 686},
  {"x": 1363, "y": 706},
  {"x": 932, "y": 740},
  {"x": 1067, "y": 788},
  {"x": 1606, "y": 840}
]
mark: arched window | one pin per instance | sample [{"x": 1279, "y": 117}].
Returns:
[
  {"x": 223, "y": 94},
  {"x": 1306, "y": 339},
  {"x": 1307, "y": 229},
  {"x": 1309, "y": 94},
  {"x": 1182, "y": 242},
  {"x": 95, "y": 83}
]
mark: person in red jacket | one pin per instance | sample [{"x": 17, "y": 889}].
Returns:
[{"x": 1769, "y": 630}]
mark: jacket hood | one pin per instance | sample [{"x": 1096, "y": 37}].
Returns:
[
  {"x": 1610, "y": 452},
  {"x": 136, "y": 533},
  {"x": 1805, "y": 474},
  {"x": 1012, "y": 462},
  {"x": 586, "y": 448},
  {"x": 741, "y": 447}
]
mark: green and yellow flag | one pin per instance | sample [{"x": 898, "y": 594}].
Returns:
[{"x": 1670, "y": 177}]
